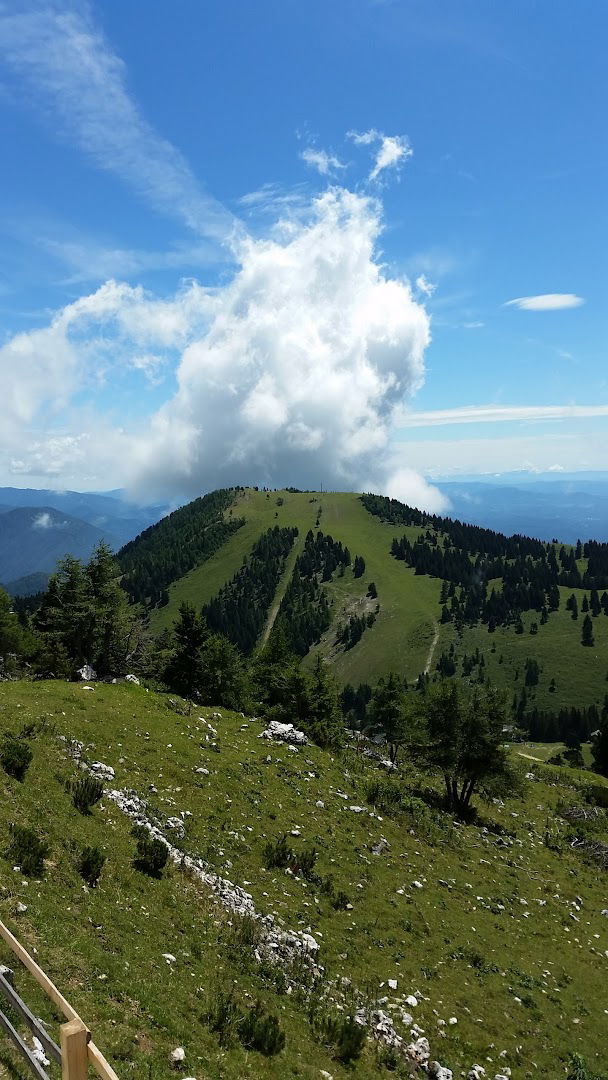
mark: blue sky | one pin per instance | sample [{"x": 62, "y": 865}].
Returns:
[{"x": 210, "y": 213}]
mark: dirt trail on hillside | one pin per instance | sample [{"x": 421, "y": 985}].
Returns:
[{"x": 429, "y": 659}]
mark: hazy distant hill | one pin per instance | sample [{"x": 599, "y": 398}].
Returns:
[
  {"x": 565, "y": 509},
  {"x": 30, "y": 543},
  {"x": 28, "y": 585},
  {"x": 33, "y": 538},
  {"x": 106, "y": 511}
]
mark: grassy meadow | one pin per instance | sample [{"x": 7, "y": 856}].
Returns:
[{"x": 481, "y": 923}]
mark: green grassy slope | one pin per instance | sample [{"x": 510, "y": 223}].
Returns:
[
  {"x": 580, "y": 673},
  {"x": 406, "y": 636},
  {"x": 403, "y": 634},
  {"x": 490, "y": 935}
]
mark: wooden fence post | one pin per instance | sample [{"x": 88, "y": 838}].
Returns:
[{"x": 74, "y": 1057}]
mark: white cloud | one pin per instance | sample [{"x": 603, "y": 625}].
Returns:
[
  {"x": 42, "y": 521},
  {"x": 491, "y": 414},
  {"x": 424, "y": 286},
  {"x": 392, "y": 152},
  {"x": 410, "y": 487},
  {"x": 292, "y": 372},
  {"x": 86, "y": 343},
  {"x": 72, "y": 76},
  {"x": 151, "y": 365},
  {"x": 546, "y": 302},
  {"x": 320, "y": 160},
  {"x": 309, "y": 353},
  {"x": 87, "y": 260},
  {"x": 487, "y": 456}
]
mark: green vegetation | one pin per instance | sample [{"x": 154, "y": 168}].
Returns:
[
  {"x": 186, "y": 538},
  {"x": 15, "y": 757},
  {"x": 240, "y": 609},
  {"x": 152, "y": 854},
  {"x": 476, "y": 921},
  {"x": 90, "y": 865},
  {"x": 86, "y": 791},
  {"x": 27, "y": 849}
]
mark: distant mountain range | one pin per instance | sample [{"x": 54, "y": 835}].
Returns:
[
  {"x": 566, "y": 509},
  {"x": 38, "y": 527}
]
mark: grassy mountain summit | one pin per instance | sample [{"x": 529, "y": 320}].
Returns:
[
  {"x": 531, "y": 646},
  {"x": 490, "y": 938}
]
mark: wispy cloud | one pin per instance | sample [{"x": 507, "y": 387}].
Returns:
[
  {"x": 424, "y": 286},
  {"x": 275, "y": 200},
  {"x": 392, "y": 152},
  {"x": 324, "y": 163},
  {"x": 73, "y": 78},
  {"x": 492, "y": 414},
  {"x": 546, "y": 302}
]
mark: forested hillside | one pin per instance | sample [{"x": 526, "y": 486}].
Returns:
[
  {"x": 167, "y": 550},
  {"x": 372, "y": 586},
  {"x": 422, "y": 596}
]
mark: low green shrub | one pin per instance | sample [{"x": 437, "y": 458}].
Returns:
[
  {"x": 15, "y": 758},
  {"x": 384, "y": 794},
  {"x": 305, "y": 862},
  {"x": 597, "y": 795},
  {"x": 27, "y": 850},
  {"x": 261, "y": 1031},
  {"x": 278, "y": 854},
  {"x": 86, "y": 791},
  {"x": 91, "y": 864},
  {"x": 579, "y": 1070},
  {"x": 254, "y": 1028},
  {"x": 152, "y": 854},
  {"x": 340, "y": 901},
  {"x": 343, "y": 1033},
  {"x": 223, "y": 1016}
]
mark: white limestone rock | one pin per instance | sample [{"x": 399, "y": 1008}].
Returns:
[
  {"x": 285, "y": 733},
  {"x": 86, "y": 673},
  {"x": 419, "y": 1051},
  {"x": 101, "y": 771}
]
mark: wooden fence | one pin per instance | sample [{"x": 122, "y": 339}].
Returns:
[{"x": 76, "y": 1050}]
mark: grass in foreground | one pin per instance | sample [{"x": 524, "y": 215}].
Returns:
[{"x": 482, "y": 923}]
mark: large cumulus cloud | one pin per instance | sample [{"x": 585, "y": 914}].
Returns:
[
  {"x": 294, "y": 371},
  {"x": 308, "y": 355}
]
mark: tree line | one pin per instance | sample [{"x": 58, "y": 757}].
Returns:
[{"x": 167, "y": 550}]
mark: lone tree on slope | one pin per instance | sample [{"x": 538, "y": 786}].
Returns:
[{"x": 463, "y": 739}]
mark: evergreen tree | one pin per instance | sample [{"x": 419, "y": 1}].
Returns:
[
  {"x": 388, "y": 714},
  {"x": 324, "y": 722},
  {"x": 65, "y": 617},
  {"x": 112, "y": 622},
  {"x": 184, "y": 672},
  {"x": 463, "y": 740},
  {"x": 587, "y": 632},
  {"x": 222, "y": 674},
  {"x": 16, "y": 641},
  {"x": 572, "y": 606}
]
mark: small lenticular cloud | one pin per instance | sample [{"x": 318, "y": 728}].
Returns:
[{"x": 546, "y": 302}]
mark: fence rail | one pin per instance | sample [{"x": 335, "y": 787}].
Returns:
[{"x": 76, "y": 1050}]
